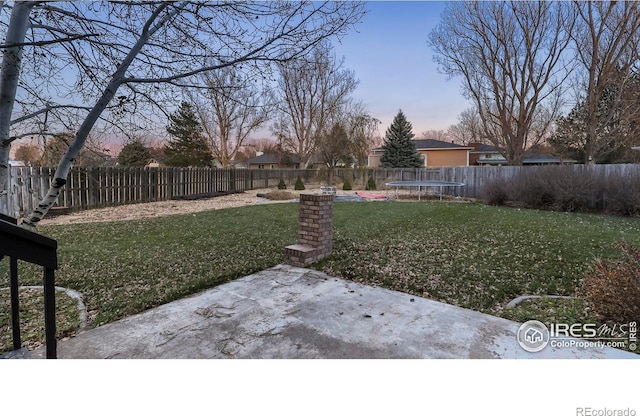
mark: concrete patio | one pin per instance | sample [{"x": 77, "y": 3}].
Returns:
[{"x": 288, "y": 312}]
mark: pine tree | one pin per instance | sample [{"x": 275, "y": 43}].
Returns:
[
  {"x": 399, "y": 149},
  {"x": 134, "y": 154},
  {"x": 187, "y": 146}
]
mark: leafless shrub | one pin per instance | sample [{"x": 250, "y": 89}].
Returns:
[
  {"x": 531, "y": 189},
  {"x": 495, "y": 192},
  {"x": 613, "y": 288},
  {"x": 280, "y": 195},
  {"x": 622, "y": 195},
  {"x": 564, "y": 188}
]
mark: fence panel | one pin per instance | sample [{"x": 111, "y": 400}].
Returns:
[{"x": 109, "y": 186}]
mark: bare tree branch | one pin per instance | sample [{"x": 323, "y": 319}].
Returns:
[
  {"x": 142, "y": 45},
  {"x": 509, "y": 55}
]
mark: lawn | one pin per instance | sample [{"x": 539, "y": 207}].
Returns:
[{"x": 466, "y": 254}]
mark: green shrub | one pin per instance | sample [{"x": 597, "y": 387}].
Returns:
[
  {"x": 299, "y": 186},
  {"x": 281, "y": 184},
  {"x": 613, "y": 288},
  {"x": 371, "y": 184},
  {"x": 348, "y": 177},
  {"x": 347, "y": 185}
]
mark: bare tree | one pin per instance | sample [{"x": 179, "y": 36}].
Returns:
[
  {"x": 362, "y": 129},
  {"x": 230, "y": 108},
  {"x": 606, "y": 38},
  {"x": 311, "y": 90},
  {"x": 29, "y": 153},
  {"x": 510, "y": 57},
  {"x": 436, "y": 134},
  {"x": 263, "y": 145},
  {"x": 347, "y": 138},
  {"x": 123, "y": 51},
  {"x": 333, "y": 148},
  {"x": 468, "y": 129}
]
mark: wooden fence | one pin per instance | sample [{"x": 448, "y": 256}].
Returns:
[
  {"x": 88, "y": 188},
  {"x": 475, "y": 177},
  {"x": 101, "y": 187}
]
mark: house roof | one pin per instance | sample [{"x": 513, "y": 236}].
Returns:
[
  {"x": 433, "y": 144},
  {"x": 529, "y": 159},
  {"x": 542, "y": 158},
  {"x": 484, "y": 148},
  {"x": 274, "y": 158},
  {"x": 424, "y": 144}
]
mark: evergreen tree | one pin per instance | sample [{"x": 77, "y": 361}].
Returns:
[
  {"x": 618, "y": 126},
  {"x": 187, "y": 146},
  {"x": 134, "y": 154},
  {"x": 399, "y": 150}
]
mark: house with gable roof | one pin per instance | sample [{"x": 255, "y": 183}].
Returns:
[
  {"x": 488, "y": 155},
  {"x": 434, "y": 154},
  {"x": 274, "y": 161}
]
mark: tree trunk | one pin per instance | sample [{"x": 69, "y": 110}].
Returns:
[
  {"x": 11, "y": 64},
  {"x": 62, "y": 171}
]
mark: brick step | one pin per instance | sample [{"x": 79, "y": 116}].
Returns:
[{"x": 300, "y": 255}]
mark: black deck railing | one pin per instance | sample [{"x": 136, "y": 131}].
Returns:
[{"x": 18, "y": 243}]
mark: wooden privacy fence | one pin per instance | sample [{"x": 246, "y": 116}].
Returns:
[
  {"x": 100, "y": 187},
  {"x": 475, "y": 177},
  {"x": 110, "y": 186}
]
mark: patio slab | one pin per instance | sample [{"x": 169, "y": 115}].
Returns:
[{"x": 287, "y": 312}]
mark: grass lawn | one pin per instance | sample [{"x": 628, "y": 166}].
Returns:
[{"x": 470, "y": 255}]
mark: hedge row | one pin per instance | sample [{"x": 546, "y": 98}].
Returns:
[{"x": 566, "y": 189}]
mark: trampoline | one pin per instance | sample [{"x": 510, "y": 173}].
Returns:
[{"x": 423, "y": 184}]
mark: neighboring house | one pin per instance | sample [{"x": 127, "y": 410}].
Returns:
[
  {"x": 17, "y": 164},
  {"x": 434, "y": 154},
  {"x": 487, "y": 155},
  {"x": 240, "y": 165},
  {"x": 274, "y": 161},
  {"x": 154, "y": 163}
]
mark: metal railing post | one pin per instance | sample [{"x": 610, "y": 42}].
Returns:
[
  {"x": 15, "y": 303},
  {"x": 50, "y": 312}
]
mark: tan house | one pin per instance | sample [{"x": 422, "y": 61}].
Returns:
[{"x": 434, "y": 154}]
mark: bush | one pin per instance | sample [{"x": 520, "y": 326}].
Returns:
[
  {"x": 568, "y": 189},
  {"x": 299, "y": 186},
  {"x": 495, "y": 193},
  {"x": 280, "y": 196},
  {"x": 532, "y": 189},
  {"x": 281, "y": 184},
  {"x": 371, "y": 184},
  {"x": 613, "y": 288},
  {"x": 348, "y": 177},
  {"x": 622, "y": 195},
  {"x": 346, "y": 186}
]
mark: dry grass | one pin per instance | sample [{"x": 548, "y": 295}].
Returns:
[
  {"x": 470, "y": 255},
  {"x": 280, "y": 196}
]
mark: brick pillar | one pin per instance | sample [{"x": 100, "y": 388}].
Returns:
[{"x": 315, "y": 231}]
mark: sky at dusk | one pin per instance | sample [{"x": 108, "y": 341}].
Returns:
[{"x": 391, "y": 58}]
